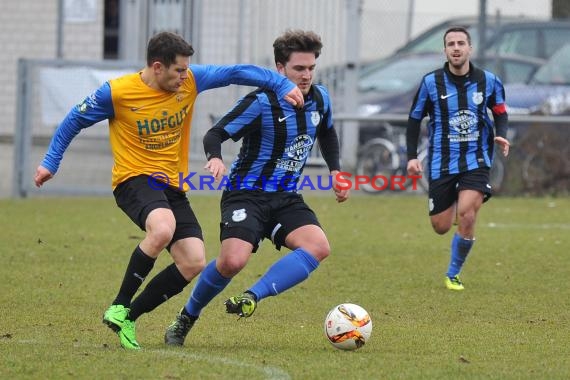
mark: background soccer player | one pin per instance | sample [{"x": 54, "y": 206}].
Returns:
[
  {"x": 461, "y": 139},
  {"x": 260, "y": 200},
  {"x": 150, "y": 114}
]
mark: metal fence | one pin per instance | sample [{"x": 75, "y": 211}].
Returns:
[{"x": 539, "y": 162}]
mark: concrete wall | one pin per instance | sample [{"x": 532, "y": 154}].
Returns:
[
  {"x": 232, "y": 31},
  {"x": 388, "y": 19},
  {"x": 28, "y": 29}
]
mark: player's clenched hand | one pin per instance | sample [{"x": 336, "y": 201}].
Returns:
[
  {"x": 216, "y": 168},
  {"x": 504, "y": 144},
  {"x": 414, "y": 167},
  {"x": 295, "y": 98},
  {"x": 42, "y": 175},
  {"x": 341, "y": 193}
]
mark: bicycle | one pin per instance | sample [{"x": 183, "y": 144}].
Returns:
[{"x": 384, "y": 157}]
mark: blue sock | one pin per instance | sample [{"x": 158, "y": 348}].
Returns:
[
  {"x": 209, "y": 285},
  {"x": 460, "y": 248},
  {"x": 287, "y": 272}
]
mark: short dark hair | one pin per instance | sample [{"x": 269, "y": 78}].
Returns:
[
  {"x": 165, "y": 46},
  {"x": 459, "y": 29},
  {"x": 296, "y": 41}
]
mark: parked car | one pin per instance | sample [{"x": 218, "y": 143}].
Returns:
[
  {"x": 515, "y": 47},
  {"x": 532, "y": 85},
  {"x": 547, "y": 92},
  {"x": 431, "y": 40},
  {"x": 390, "y": 89},
  {"x": 511, "y": 68},
  {"x": 539, "y": 39}
]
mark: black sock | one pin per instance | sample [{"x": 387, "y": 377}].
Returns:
[
  {"x": 252, "y": 295},
  {"x": 139, "y": 267},
  {"x": 163, "y": 286},
  {"x": 185, "y": 312}
]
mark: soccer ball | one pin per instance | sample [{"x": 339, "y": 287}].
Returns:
[{"x": 348, "y": 326}]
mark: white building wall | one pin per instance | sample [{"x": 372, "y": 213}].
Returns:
[
  {"x": 387, "y": 20},
  {"x": 28, "y": 29},
  {"x": 230, "y": 34},
  {"x": 234, "y": 31},
  {"x": 243, "y": 32},
  {"x": 84, "y": 41}
]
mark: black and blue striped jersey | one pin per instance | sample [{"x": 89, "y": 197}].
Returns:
[
  {"x": 277, "y": 139},
  {"x": 460, "y": 130}
]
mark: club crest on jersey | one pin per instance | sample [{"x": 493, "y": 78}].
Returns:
[
  {"x": 82, "y": 107},
  {"x": 179, "y": 97},
  {"x": 477, "y": 97},
  {"x": 464, "y": 122},
  {"x": 315, "y": 118},
  {"x": 239, "y": 215},
  {"x": 88, "y": 102},
  {"x": 299, "y": 148}
]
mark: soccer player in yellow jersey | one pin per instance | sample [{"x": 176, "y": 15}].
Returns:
[{"x": 150, "y": 114}]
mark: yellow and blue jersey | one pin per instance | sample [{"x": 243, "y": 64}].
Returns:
[{"x": 150, "y": 129}]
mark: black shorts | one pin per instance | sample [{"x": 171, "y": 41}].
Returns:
[
  {"x": 443, "y": 191},
  {"x": 252, "y": 215},
  {"x": 137, "y": 199}
]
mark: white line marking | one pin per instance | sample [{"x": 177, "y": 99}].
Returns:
[
  {"x": 271, "y": 373},
  {"x": 544, "y": 226}
]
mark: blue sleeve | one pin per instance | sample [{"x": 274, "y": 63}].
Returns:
[
  {"x": 328, "y": 138},
  {"x": 328, "y": 112},
  {"x": 499, "y": 91},
  {"x": 419, "y": 106},
  {"x": 213, "y": 76},
  {"x": 417, "y": 113},
  {"x": 96, "y": 107},
  {"x": 235, "y": 124},
  {"x": 499, "y": 108},
  {"x": 241, "y": 120}
]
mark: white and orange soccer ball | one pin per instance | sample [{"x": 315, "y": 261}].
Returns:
[{"x": 348, "y": 326}]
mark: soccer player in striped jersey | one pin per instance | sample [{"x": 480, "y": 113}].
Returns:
[
  {"x": 150, "y": 114},
  {"x": 457, "y": 98},
  {"x": 261, "y": 199}
]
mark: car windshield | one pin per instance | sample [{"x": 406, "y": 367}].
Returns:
[
  {"x": 399, "y": 76},
  {"x": 431, "y": 41},
  {"x": 510, "y": 68},
  {"x": 557, "y": 70}
]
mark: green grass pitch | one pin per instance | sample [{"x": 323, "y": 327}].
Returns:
[{"x": 63, "y": 260}]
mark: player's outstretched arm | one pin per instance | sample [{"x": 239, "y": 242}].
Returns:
[{"x": 214, "y": 76}]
